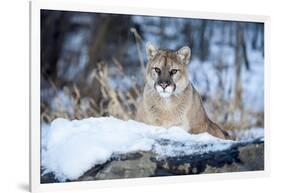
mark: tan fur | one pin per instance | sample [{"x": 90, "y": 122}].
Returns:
[{"x": 180, "y": 107}]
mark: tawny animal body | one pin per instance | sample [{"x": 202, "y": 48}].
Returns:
[{"x": 169, "y": 98}]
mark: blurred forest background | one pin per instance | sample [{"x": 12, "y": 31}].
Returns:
[{"x": 92, "y": 64}]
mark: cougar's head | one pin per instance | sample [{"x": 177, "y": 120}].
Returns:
[{"x": 166, "y": 70}]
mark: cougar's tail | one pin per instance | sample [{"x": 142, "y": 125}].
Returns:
[{"x": 215, "y": 130}]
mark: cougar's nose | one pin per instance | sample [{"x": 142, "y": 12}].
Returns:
[{"x": 164, "y": 84}]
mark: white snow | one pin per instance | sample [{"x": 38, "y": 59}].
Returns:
[
  {"x": 249, "y": 134},
  {"x": 63, "y": 102},
  {"x": 70, "y": 148}
]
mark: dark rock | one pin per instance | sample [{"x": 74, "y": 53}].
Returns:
[
  {"x": 47, "y": 178},
  {"x": 240, "y": 157},
  {"x": 252, "y": 156},
  {"x": 133, "y": 167}
]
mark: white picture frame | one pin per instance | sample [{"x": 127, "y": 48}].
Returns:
[{"x": 36, "y": 6}]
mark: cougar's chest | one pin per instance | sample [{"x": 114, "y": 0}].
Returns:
[{"x": 166, "y": 116}]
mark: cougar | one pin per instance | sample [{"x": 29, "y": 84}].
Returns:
[{"x": 169, "y": 98}]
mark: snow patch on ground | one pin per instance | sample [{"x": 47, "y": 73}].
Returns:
[{"x": 70, "y": 148}]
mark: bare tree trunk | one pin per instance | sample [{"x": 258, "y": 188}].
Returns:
[
  {"x": 188, "y": 31},
  {"x": 54, "y": 27},
  {"x": 203, "y": 41},
  {"x": 161, "y": 32},
  {"x": 238, "y": 87},
  {"x": 96, "y": 44},
  {"x": 244, "y": 47}
]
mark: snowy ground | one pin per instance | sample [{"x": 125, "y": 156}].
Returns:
[{"x": 70, "y": 148}]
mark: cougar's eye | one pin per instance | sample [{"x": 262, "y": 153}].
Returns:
[
  {"x": 174, "y": 71},
  {"x": 157, "y": 70}
]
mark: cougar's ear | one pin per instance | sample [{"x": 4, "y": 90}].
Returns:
[
  {"x": 184, "y": 54},
  {"x": 151, "y": 50}
]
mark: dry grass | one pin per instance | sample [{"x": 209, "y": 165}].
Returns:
[{"x": 112, "y": 102}]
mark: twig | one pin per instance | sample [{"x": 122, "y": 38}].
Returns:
[{"x": 138, "y": 41}]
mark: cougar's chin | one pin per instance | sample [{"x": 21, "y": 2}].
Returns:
[{"x": 165, "y": 93}]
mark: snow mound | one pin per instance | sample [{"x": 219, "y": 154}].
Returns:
[{"x": 70, "y": 148}]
